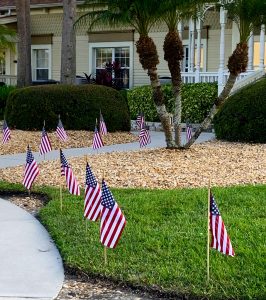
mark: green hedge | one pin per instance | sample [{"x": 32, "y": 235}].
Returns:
[
  {"x": 242, "y": 117},
  {"x": 197, "y": 99},
  {"x": 78, "y": 105},
  {"x": 4, "y": 92}
]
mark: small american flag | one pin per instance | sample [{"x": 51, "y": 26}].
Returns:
[
  {"x": 188, "y": 132},
  {"x": 144, "y": 137},
  {"x": 6, "y": 133},
  {"x": 97, "y": 140},
  {"x": 220, "y": 238},
  {"x": 112, "y": 219},
  {"x": 31, "y": 170},
  {"x": 93, "y": 194},
  {"x": 103, "y": 128},
  {"x": 45, "y": 145},
  {"x": 60, "y": 131},
  {"x": 71, "y": 181},
  {"x": 140, "y": 120}
]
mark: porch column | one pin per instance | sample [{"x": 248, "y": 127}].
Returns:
[
  {"x": 180, "y": 29},
  {"x": 262, "y": 47},
  {"x": 192, "y": 45},
  {"x": 198, "y": 27},
  {"x": 223, "y": 20},
  {"x": 250, "y": 51}
]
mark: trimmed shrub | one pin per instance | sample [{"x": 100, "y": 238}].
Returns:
[
  {"x": 78, "y": 106},
  {"x": 5, "y": 90},
  {"x": 242, "y": 117},
  {"x": 197, "y": 99}
]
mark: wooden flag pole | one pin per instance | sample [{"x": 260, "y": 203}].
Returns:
[
  {"x": 61, "y": 197},
  {"x": 105, "y": 255},
  {"x": 208, "y": 234}
]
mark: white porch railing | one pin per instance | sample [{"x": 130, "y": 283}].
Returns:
[
  {"x": 8, "y": 79},
  {"x": 190, "y": 77}
]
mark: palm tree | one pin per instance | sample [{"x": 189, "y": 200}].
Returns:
[
  {"x": 7, "y": 37},
  {"x": 68, "y": 49},
  {"x": 141, "y": 15},
  {"x": 247, "y": 14},
  {"x": 173, "y": 11},
  {"x": 24, "y": 43}
]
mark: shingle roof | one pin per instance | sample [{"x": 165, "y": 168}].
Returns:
[{"x": 11, "y": 3}]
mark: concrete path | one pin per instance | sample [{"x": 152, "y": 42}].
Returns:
[
  {"x": 157, "y": 141},
  {"x": 30, "y": 264}
]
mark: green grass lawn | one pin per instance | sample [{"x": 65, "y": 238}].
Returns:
[{"x": 164, "y": 242}]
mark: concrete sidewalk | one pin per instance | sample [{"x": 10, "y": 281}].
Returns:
[
  {"x": 157, "y": 141},
  {"x": 30, "y": 264}
]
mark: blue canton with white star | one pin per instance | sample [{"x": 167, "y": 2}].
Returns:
[
  {"x": 63, "y": 159},
  {"x": 107, "y": 197},
  {"x": 214, "y": 207},
  {"x": 29, "y": 158},
  {"x": 90, "y": 179}
]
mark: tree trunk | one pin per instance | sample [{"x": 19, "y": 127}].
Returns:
[
  {"x": 173, "y": 54},
  {"x": 68, "y": 50},
  {"x": 218, "y": 103},
  {"x": 24, "y": 43},
  {"x": 148, "y": 58}
]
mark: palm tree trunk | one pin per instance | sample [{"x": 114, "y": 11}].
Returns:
[
  {"x": 218, "y": 103},
  {"x": 160, "y": 107}
]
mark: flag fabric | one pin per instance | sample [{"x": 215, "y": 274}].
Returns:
[
  {"x": 97, "y": 140},
  {"x": 60, "y": 131},
  {"x": 144, "y": 137},
  {"x": 93, "y": 194},
  {"x": 45, "y": 145},
  {"x": 112, "y": 219},
  {"x": 220, "y": 238},
  {"x": 103, "y": 128},
  {"x": 71, "y": 181},
  {"x": 31, "y": 170},
  {"x": 188, "y": 132},
  {"x": 140, "y": 120},
  {"x": 6, "y": 133}
]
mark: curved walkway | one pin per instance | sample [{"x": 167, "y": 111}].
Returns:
[{"x": 30, "y": 264}]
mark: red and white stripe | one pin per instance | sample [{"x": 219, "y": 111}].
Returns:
[
  {"x": 112, "y": 226},
  {"x": 45, "y": 145},
  {"x": 97, "y": 141},
  {"x": 61, "y": 134},
  {"x": 30, "y": 173},
  {"x": 144, "y": 137},
  {"x": 92, "y": 203},
  {"x": 71, "y": 181},
  {"x": 6, "y": 135}
]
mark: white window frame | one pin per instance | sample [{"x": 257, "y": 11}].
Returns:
[
  {"x": 33, "y": 63},
  {"x": 92, "y": 53},
  {"x": 204, "y": 47}
]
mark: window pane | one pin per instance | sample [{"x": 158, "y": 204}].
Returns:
[
  {"x": 42, "y": 58},
  {"x": 103, "y": 56},
  {"x": 42, "y": 74}
]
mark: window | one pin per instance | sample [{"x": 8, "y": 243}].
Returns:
[
  {"x": 256, "y": 60},
  {"x": 41, "y": 62},
  {"x": 117, "y": 57},
  {"x": 185, "y": 62}
]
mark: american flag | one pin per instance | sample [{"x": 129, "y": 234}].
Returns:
[
  {"x": 71, "y": 181},
  {"x": 144, "y": 137},
  {"x": 93, "y": 194},
  {"x": 45, "y": 145},
  {"x": 103, "y": 128},
  {"x": 112, "y": 219},
  {"x": 60, "y": 131},
  {"x": 188, "y": 132},
  {"x": 31, "y": 170},
  {"x": 6, "y": 133},
  {"x": 220, "y": 238},
  {"x": 140, "y": 120},
  {"x": 97, "y": 140}
]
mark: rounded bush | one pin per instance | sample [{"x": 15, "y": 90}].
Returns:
[
  {"x": 78, "y": 106},
  {"x": 197, "y": 99},
  {"x": 5, "y": 90},
  {"x": 242, "y": 117}
]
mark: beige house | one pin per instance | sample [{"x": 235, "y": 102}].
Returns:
[{"x": 208, "y": 42}]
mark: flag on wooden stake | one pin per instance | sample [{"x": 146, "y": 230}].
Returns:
[
  {"x": 6, "y": 133},
  {"x": 93, "y": 193},
  {"x": 31, "y": 170},
  {"x": 71, "y": 181},
  {"x": 45, "y": 145},
  {"x": 60, "y": 131},
  {"x": 103, "y": 128},
  {"x": 112, "y": 219},
  {"x": 220, "y": 238},
  {"x": 97, "y": 140}
]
